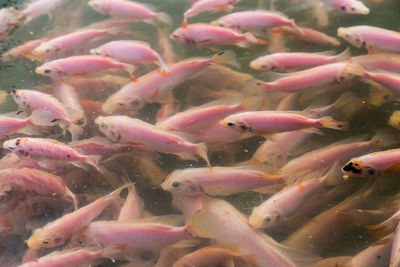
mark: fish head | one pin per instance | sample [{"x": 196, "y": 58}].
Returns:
[
  {"x": 116, "y": 103},
  {"x": 49, "y": 70},
  {"x": 39, "y": 240},
  {"x": 11, "y": 144},
  {"x": 353, "y": 7},
  {"x": 96, "y": 52},
  {"x": 99, "y": 6},
  {"x": 235, "y": 123},
  {"x": 263, "y": 65},
  {"x": 20, "y": 98},
  {"x": 42, "y": 49},
  {"x": 357, "y": 168},
  {"x": 351, "y": 36},
  {"x": 105, "y": 126},
  {"x": 177, "y": 35},
  {"x": 272, "y": 219},
  {"x": 180, "y": 183}
]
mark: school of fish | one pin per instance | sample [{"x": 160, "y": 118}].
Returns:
[{"x": 265, "y": 149}]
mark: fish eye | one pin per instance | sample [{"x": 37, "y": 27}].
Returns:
[
  {"x": 175, "y": 36},
  {"x": 103, "y": 125},
  {"x": 268, "y": 218},
  {"x": 48, "y": 49},
  {"x": 176, "y": 184},
  {"x": 47, "y": 70},
  {"x": 80, "y": 241},
  {"x": 348, "y": 35},
  {"x": 120, "y": 104},
  {"x": 353, "y": 8},
  {"x": 46, "y": 241},
  {"x": 263, "y": 66},
  {"x": 221, "y": 24},
  {"x": 231, "y": 124}
]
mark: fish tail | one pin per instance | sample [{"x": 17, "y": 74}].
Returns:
[
  {"x": 94, "y": 161},
  {"x": 202, "y": 151},
  {"x": 382, "y": 229},
  {"x": 345, "y": 55},
  {"x": 226, "y": 57},
  {"x": 253, "y": 39},
  {"x": 329, "y": 122},
  {"x": 76, "y": 131},
  {"x": 162, "y": 65},
  {"x": 294, "y": 26},
  {"x": 164, "y": 18}
]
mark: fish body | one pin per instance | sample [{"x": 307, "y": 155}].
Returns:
[
  {"x": 66, "y": 258},
  {"x": 218, "y": 180},
  {"x": 157, "y": 86},
  {"x": 374, "y": 164},
  {"x": 67, "y": 42},
  {"x": 9, "y": 125},
  {"x": 373, "y": 38},
  {"x": 131, "y": 52},
  {"x": 309, "y": 35},
  {"x": 313, "y": 78},
  {"x": 80, "y": 65},
  {"x": 24, "y": 51},
  {"x": 138, "y": 133},
  {"x": 40, "y": 7},
  {"x": 47, "y": 110},
  {"x": 211, "y": 6},
  {"x": 48, "y": 149},
  {"x": 389, "y": 80},
  {"x": 381, "y": 61},
  {"x": 288, "y": 61},
  {"x": 268, "y": 122},
  {"x": 203, "y": 34},
  {"x": 349, "y": 6},
  {"x": 254, "y": 20}
]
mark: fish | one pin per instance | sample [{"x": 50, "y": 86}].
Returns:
[
  {"x": 219, "y": 181},
  {"x": 313, "y": 78},
  {"x": 214, "y": 256},
  {"x": 128, "y": 10},
  {"x": 308, "y": 35},
  {"x": 372, "y": 38},
  {"x": 349, "y": 6},
  {"x": 80, "y": 66},
  {"x": 49, "y": 149},
  {"x": 270, "y": 122},
  {"x": 373, "y": 164},
  {"x": 203, "y": 34},
  {"x": 126, "y": 130},
  {"x": 11, "y": 125},
  {"x": 156, "y": 87},
  {"x": 211, "y": 6},
  {"x": 68, "y": 96},
  {"x": 41, "y": 182},
  {"x": 130, "y": 52},
  {"x": 133, "y": 206},
  {"x": 389, "y": 80},
  {"x": 48, "y": 111},
  {"x": 255, "y": 20},
  {"x": 24, "y": 51},
  {"x": 380, "y": 61},
  {"x": 57, "y": 232},
  {"x": 37, "y": 8},
  {"x": 294, "y": 60}
]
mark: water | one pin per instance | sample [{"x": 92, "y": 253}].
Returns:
[{"x": 370, "y": 112}]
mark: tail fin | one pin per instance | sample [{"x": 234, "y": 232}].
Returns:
[
  {"x": 76, "y": 131},
  {"x": 165, "y": 18},
  {"x": 130, "y": 68},
  {"x": 253, "y": 39},
  {"x": 294, "y": 26},
  {"x": 201, "y": 151},
  {"x": 345, "y": 55},
  {"x": 226, "y": 57},
  {"x": 94, "y": 161},
  {"x": 161, "y": 63},
  {"x": 329, "y": 122},
  {"x": 384, "y": 228}
]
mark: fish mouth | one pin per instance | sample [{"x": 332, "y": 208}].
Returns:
[{"x": 350, "y": 167}]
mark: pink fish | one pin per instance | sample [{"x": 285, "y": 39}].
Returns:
[
  {"x": 255, "y": 20},
  {"x": 380, "y": 61},
  {"x": 220, "y": 181},
  {"x": 9, "y": 125},
  {"x": 81, "y": 65},
  {"x": 211, "y": 6},
  {"x": 373, "y": 38},
  {"x": 374, "y": 164},
  {"x": 66, "y": 258},
  {"x": 131, "y": 52},
  {"x": 47, "y": 110},
  {"x": 222, "y": 222},
  {"x": 24, "y": 51},
  {"x": 308, "y": 35},
  {"x": 281, "y": 205},
  {"x": 349, "y": 6},
  {"x": 68, "y": 96},
  {"x": 100, "y": 146},
  {"x": 313, "y": 78},
  {"x": 289, "y": 61},
  {"x": 67, "y": 42},
  {"x": 198, "y": 118},
  {"x": 41, "y": 182},
  {"x": 57, "y": 232},
  {"x": 131, "y": 237},
  {"x": 127, "y": 10},
  {"x": 203, "y": 34},
  {"x": 39, "y": 7},
  {"x": 133, "y": 206},
  {"x": 389, "y": 80},
  {"x": 138, "y": 133},
  {"x": 157, "y": 86},
  {"x": 49, "y": 149},
  {"x": 269, "y": 122}
]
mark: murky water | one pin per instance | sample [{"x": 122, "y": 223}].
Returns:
[{"x": 369, "y": 112}]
